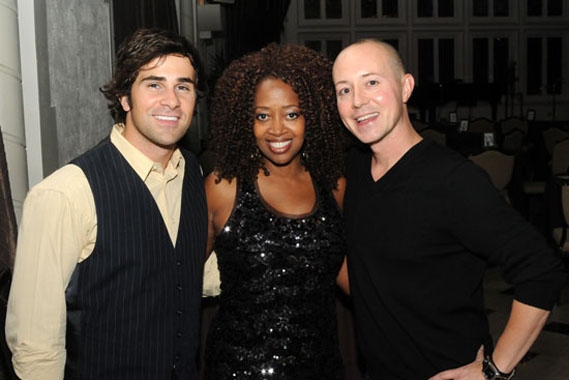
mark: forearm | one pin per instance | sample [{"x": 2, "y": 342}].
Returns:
[
  {"x": 35, "y": 325},
  {"x": 521, "y": 331}
]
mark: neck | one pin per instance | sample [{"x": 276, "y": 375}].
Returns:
[
  {"x": 389, "y": 150},
  {"x": 293, "y": 169}
]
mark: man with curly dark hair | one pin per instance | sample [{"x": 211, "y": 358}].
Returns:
[
  {"x": 107, "y": 279},
  {"x": 274, "y": 202}
]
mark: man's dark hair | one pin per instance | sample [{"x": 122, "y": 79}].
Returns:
[{"x": 141, "y": 48}]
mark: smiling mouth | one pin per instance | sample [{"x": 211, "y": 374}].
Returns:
[
  {"x": 166, "y": 118},
  {"x": 366, "y": 117},
  {"x": 280, "y": 144}
]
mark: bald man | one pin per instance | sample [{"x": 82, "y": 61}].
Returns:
[{"x": 423, "y": 223}]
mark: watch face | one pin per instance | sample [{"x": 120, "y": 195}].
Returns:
[
  {"x": 492, "y": 373},
  {"x": 488, "y": 372}
]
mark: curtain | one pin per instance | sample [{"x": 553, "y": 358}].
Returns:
[
  {"x": 252, "y": 24},
  {"x": 129, "y": 15}
]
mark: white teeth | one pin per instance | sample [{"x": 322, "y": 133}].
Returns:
[
  {"x": 167, "y": 118},
  {"x": 367, "y": 116},
  {"x": 279, "y": 144}
]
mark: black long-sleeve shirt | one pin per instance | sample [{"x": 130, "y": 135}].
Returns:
[{"x": 419, "y": 241}]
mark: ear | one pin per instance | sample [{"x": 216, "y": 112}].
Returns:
[
  {"x": 407, "y": 84},
  {"x": 125, "y": 103}
]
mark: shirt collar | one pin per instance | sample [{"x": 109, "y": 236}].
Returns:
[{"x": 141, "y": 164}]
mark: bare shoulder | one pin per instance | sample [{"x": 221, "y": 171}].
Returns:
[
  {"x": 219, "y": 190},
  {"x": 220, "y": 200}
]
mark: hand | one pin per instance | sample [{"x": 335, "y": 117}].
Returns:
[{"x": 472, "y": 371}]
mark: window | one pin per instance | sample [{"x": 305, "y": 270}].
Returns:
[
  {"x": 539, "y": 8},
  {"x": 490, "y": 60},
  {"x": 544, "y": 65},
  {"x": 437, "y": 11},
  {"x": 380, "y": 12},
  {"x": 329, "y": 44},
  {"x": 435, "y": 8},
  {"x": 500, "y": 9},
  {"x": 480, "y": 8},
  {"x": 322, "y": 12},
  {"x": 316, "y": 9},
  {"x": 436, "y": 60},
  {"x": 480, "y": 60},
  {"x": 379, "y": 8},
  {"x": 396, "y": 39}
]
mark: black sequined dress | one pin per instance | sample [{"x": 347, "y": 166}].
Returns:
[{"x": 277, "y": 315}]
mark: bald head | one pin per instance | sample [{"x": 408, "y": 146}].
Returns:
[
  {"x": 372, "y": 90},
  {"x": 379, "y": 48}
]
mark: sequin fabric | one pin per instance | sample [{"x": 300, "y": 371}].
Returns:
[{"x": 277, "y": 315}]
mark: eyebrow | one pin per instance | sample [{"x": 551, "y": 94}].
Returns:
[
  {"x": 152, "y": 78},
  {"x": 285, "y": 106},
  {"x": 365, "y": 75}
]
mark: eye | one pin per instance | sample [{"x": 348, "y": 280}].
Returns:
[
  {"x": 184, "y": 87},
  {"x": 373, "y": 82},
  {"x": 344, "y": 91},
  {"x": 261, "y": 116},
  {"x": 292, "y": 115},
  {"x": 154, "y": 85}
]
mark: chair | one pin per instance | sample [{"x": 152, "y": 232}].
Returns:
[
  {"x": 481, "y": 125},
  {"x": 433, "y": 134},
  {"x": 560, "y": 158},
  {"x": 419, "y": 125},
  {"x": 559, "y": 234},
  {"x": 508, "y": 125},
  {"x": 513, "y": 141},
  {"x": 499, "y": 166},
  {"x": 553, "y": 135}
]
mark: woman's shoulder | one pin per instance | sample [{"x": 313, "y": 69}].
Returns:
[{"x": 220, "y": 189}]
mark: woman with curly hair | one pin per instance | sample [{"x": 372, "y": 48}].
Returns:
[{"x": 275, "y": 220}]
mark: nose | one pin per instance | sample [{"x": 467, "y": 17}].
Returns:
[
  {"x": 359, "y": 98},
  {"x": 170, "y": 98},
  {"x": 277, "y": 126}
]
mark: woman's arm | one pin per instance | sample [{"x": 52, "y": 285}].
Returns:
[{"x": 342, "y": 279}]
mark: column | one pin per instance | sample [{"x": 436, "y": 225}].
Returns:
[{"x": 11, "y": 104}]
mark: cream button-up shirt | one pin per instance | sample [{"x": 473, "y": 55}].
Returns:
[{"x": 57, "y": 231}]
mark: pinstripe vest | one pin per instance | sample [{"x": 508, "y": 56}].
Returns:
[{"x": 133, "y": 305}]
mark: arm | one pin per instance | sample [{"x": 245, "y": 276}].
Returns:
[
  {"x": 51, "y": 240},
  {"x": 342, "y": 279},
  {"x": 220, "y": 201},
  {"x": 521, "y": 331},
  {"x": 527, "y": 263}
]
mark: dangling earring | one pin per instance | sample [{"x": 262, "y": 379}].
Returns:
[{"x": 256, "y": 155}]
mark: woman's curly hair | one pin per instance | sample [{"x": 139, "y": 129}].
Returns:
[{"x": 232, "y": 112}]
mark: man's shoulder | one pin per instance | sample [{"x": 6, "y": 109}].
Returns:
[
  {"x": 440, "y": 157},
  {"x": 66, "y": 180}
]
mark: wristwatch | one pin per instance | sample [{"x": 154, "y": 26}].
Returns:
[{"x": 491, "y": 372}]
